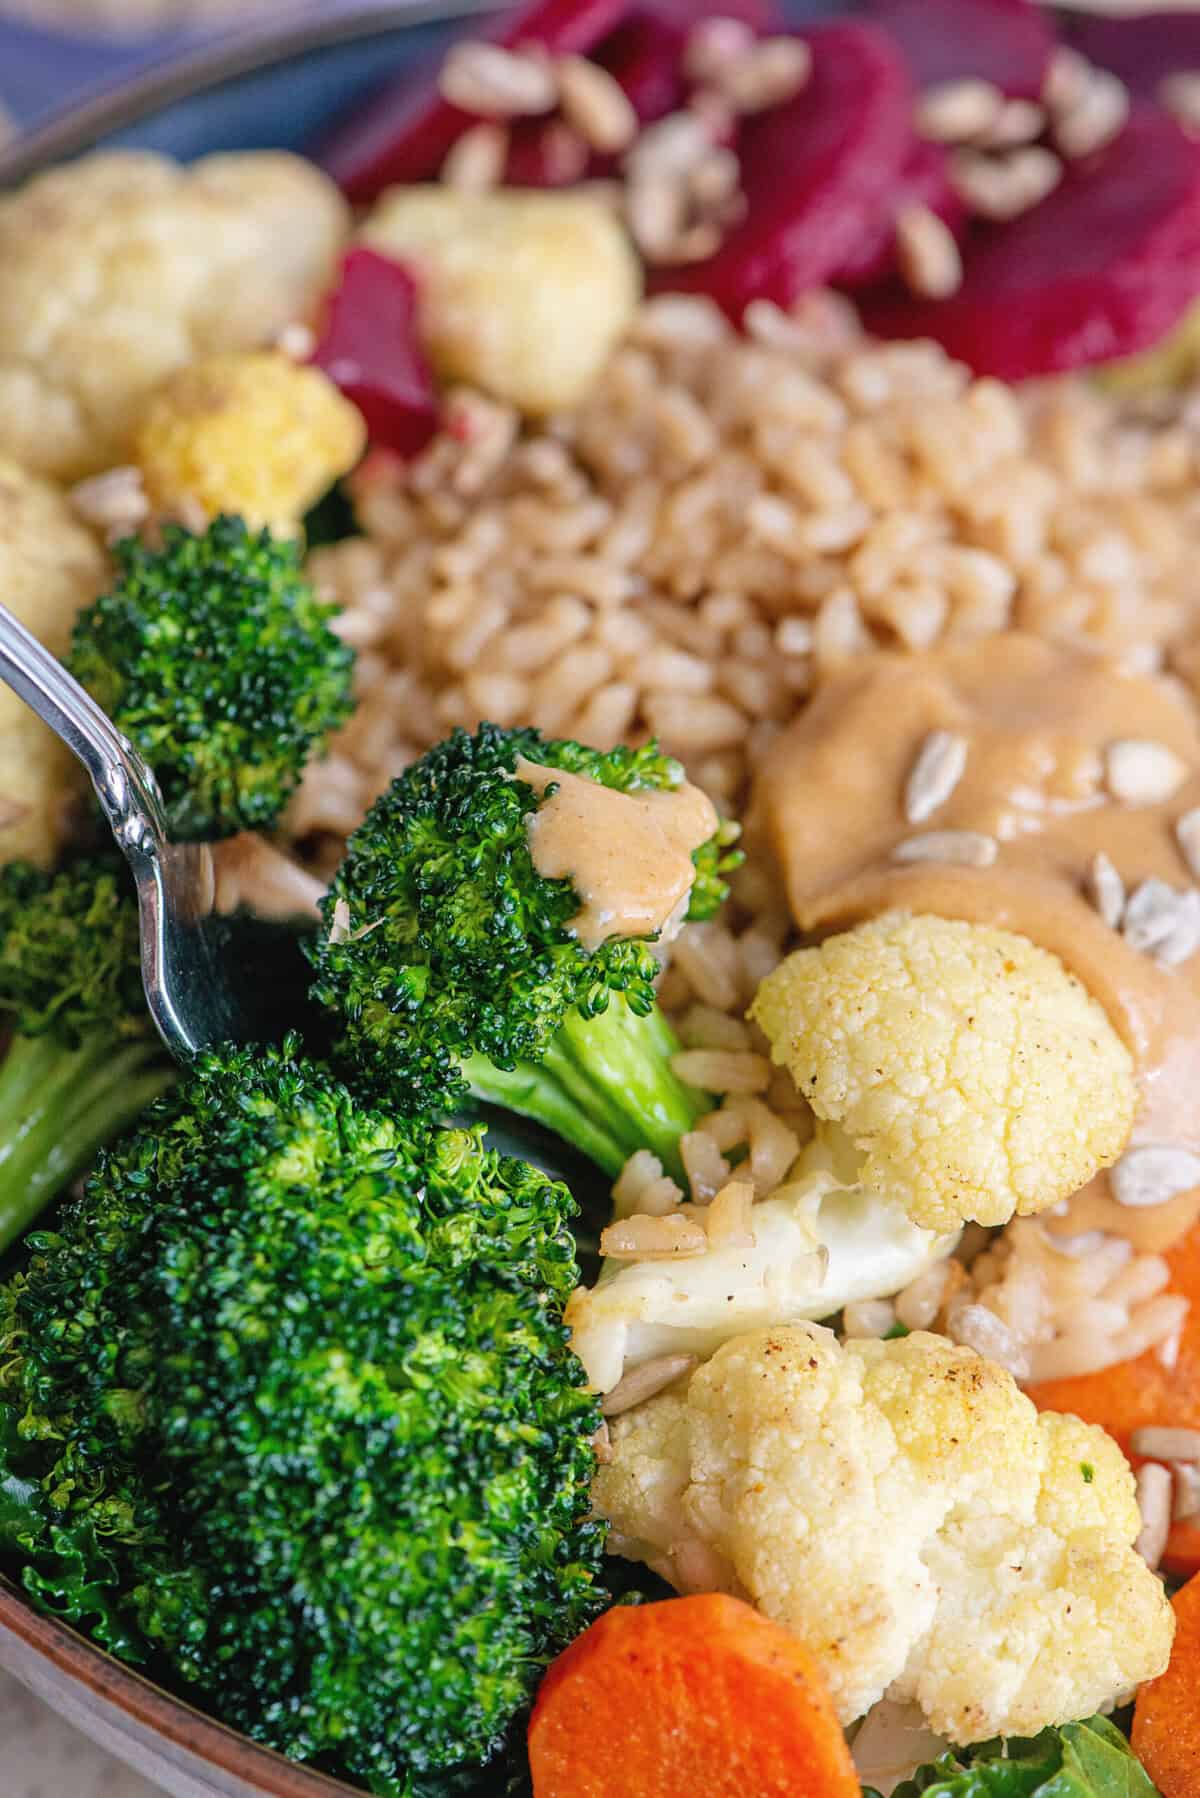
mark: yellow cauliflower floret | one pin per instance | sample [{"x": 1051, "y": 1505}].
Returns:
[
  {"x": 904, "y": 1508},
  {"x": 123, "y": 266},
  {"x": 250, "y": 433},
  {"x": 977, "y": 1077},
  {"x": 522, "y": 294},
  {"x": 50, "y": 566}
]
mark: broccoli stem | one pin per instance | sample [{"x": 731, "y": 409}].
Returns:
[
  {"x": 605, "y": 1085},
  {"x": 58, "y": 1106}
]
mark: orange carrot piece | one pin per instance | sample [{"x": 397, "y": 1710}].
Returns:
[
  {"x": 1133, "y": 1394},
  {"x": 686, "y": 1697},
  {"x": 1166, "y": 1717}
]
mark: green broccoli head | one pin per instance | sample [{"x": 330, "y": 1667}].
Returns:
[
  {"x": 451, "y": 944},
  {"x": 290, "y": 1407},
  {"x": 216, "y": 659},
  {"x": 69, "y": 951}
]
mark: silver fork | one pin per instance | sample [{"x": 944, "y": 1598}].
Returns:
[{"x": 199, "y": 986}]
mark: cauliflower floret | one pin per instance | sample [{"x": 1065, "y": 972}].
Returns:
[
  {"x": 904, "y": 1508},
  {"x": 49, "y": 567},
  {"x": 522, "y": 294},
  {"x": 820, "y": 1240},
  {"x": 976, "y": 1075},
  {"x": 123, "y": 266},
  {"x": 249, "y": 433}
]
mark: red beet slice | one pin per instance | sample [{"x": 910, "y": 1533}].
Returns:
[
  {"x": 1141, "y": 49},
  {"x": 406, "y": 131},
  {"x": 1103, "y": 267},
  {"x": 819, "y": 174},
  {"x": 1007, "y": 42},
  {"x": 369, "y": 348},
  {"x": 924, "y": 181}
]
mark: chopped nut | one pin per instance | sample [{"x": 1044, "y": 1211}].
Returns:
[
  {"x": 927, "y": 253},
  {"x": 957, "y": 112},
  {"x": 966, "y": 848},
  {"x": 1139, "y": 771},
  {"x": 1153, "y": 1173},
  {"x": 641, "y": 1383},
  {"x": 496, "y": 83},
  {"x": 476, "y": 162},
  {"x": 596, "y": 105}
]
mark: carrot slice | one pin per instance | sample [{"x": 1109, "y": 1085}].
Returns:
[
  {"x": 689, "y": 1696},
  {"x": 1133, "y": 1394},
  {"x": 1166, "y": 1717}
]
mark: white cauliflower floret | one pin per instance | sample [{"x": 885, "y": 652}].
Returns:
[
  {"x": 522, "y": 294},
  {"x": 50, "y": 566},
  {"x": 904, "y": 1508},
  {"x": 976, "y": 1075},
  {"x": 122, "y": 267},
  {"x": 820, "y": 1241}
]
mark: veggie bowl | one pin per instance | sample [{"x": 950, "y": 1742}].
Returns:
[{"x": 657, "y": 543}]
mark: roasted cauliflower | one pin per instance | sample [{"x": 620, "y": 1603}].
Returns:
[
  {"x": 905, "y": 1509},
  {"x": 522, "y": 294},
  {"x": 250, "y": 433},
  {"x": 123, "y": 266},
  {"x": 976, "y": 1076},
  {"x": 818, "y": 1242},
  {"x": 50, "y": 566}
]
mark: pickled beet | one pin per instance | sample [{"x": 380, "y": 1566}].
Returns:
[
  {"x": 370, "y": 349},
  {"x": 1007, "y": 42},
  {"x": 406, "y": 131},
  {"x": 924, "y": 181},
  {"x": 1140, "y": 49},
  {"x": 1103, "y": 267},
  {"x": 819, "y": 172}
]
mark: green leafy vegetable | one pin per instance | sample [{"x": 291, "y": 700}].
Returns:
[{"x": 1080, "y": 1760}]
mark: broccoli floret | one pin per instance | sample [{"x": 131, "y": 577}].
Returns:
[
  {"x": 83, "y": 1059},
  {"x": 216, "y": 659},
  {"x": 451, "y": 967},
  {"x": 291, "y": 1412}
]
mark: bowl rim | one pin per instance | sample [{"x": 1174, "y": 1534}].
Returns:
[
  {"x": 150, "y": 1708},
  {"x": 116, "y": 106}
]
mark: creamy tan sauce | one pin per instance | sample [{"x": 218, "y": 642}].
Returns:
[
  {"x": 1037, "y": 720},
  {"x": 628, "y": 855}
]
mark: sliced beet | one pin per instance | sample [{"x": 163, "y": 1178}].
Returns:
[
  {"x": 1102, "y": 268},
  {"x": 405, "y": 133},
  {"x": 1007, "y": 42},
  {"x": 1140, "y": 49},
  {"x": 370, "y": 349},
  {"x": 924, "y": 181},
  {"x": 819, "y": 174}
]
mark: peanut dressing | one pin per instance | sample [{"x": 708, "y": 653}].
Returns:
[
  {"x": 1038, "y": 720},
  {"x": 628, "y": 855}
]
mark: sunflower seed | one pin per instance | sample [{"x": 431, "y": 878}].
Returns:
[
  {"x": 713, "y": 45},
  {"x": 672, "y": 147},
  {"x": 927, "y": 253},
  {"x": 497, "y": 83},
  {"x": 476, "y": 161},
  {"x": 596, "y": 104},
  {"x": 1018, "y": 122},
  {"x": 1154, "y": 1503},
  {"x": 339, "y": 930},
  {"x": 1152, "y": 1174},
  {"x": 1187, "y": 835},
  {"x": 1106, "y": 890},
  {"x": 641, "y": 1383},
  {"x": 1180, "y": 95},
  {"x": 1003, "y": 187},
  {"x": 765, "y": 75},
  {"x": 1140, "y": 771},
  {"x": 956, "y": 111},
  {"x": 1183, "y": 940},
  {"x": 1097, "y": 117},
  {"x": 1151, "y": 914},
  {"x": 1187, "y": 1490},
  {"x": 1158, "y": 1442},
  {"x": 936, "y": 772},
  {"x": 965, "y": 848},
  {"x": 1067, "y": 76}
]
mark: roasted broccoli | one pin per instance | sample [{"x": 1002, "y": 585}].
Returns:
[
  {"x": 287, "y": 1410},
  {"x": 215, "y": 657},
  {"x": 452, "y": 969},
  {"x": 84, "y": 1058}
]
